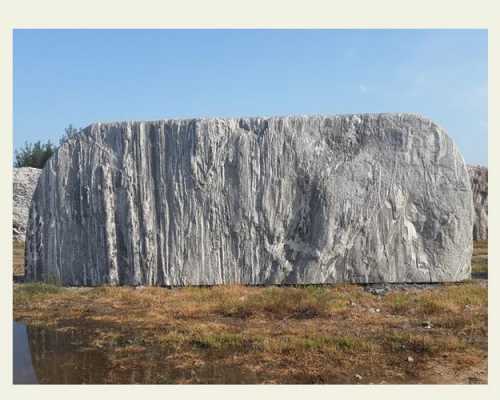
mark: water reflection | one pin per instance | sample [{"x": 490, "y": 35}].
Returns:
[
  {"x": 48, "y": 356},
  {"x": 23, "y": 367},
  {"x": 60, "y": 358}
]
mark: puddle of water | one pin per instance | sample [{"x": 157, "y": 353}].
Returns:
[
  {"x": 48, "y": 356},
  {"x": 23, "y": 367}
]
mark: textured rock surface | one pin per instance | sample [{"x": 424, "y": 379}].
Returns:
[
  {"x": 479, "y": 183},
  {"x": 24, "y": 184},
  {"x": 358, "y": 198}
]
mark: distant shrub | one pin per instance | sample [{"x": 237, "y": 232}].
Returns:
[
  {"x": 69, "y": 133},
  {"x": 34, "y": 155}
]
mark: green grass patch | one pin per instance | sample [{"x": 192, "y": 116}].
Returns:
[
  {"x": 222, "y": 342},
  {"x": 36, "y": 289}
]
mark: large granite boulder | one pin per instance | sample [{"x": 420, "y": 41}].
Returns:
[
  {"x": 325, "y": 199},
  {"x": 479, "y": 183},
  {"x": 24, "y": 184}
]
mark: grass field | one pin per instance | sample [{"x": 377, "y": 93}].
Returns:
[{"x": 340, "y": 334}]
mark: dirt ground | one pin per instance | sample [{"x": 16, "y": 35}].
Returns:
[{"x": 238, "y": 334}]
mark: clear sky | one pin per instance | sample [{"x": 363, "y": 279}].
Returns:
[{"x": 77, "y": 77}]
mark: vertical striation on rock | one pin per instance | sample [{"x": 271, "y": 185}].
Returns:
[
  {"x": 24, "y": 182},
  {"x": 282, "y": 200},
  {"x": 479, "y": 184}
]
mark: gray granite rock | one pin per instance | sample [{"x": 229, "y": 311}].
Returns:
[
  {"x": 24, "y": 183},
  {"x": 479, "y": 184},
  {"x": 324, "y": 199}
]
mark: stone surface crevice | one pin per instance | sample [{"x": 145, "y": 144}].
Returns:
[{"x": 281, "y": 200}]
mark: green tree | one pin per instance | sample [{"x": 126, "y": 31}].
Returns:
[
  {"x": 34, "y": 155},
  {"x": 69, "y": 133}
]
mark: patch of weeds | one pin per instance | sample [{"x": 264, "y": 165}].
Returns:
[
  {"x": 479, "y": 264},
  {"x": 235, "y": 307},
  {"x": 333, "y": 345},
  {"x": 455, "y": 322},
  {"x": 313, "y": 343},
  {"x": 278, "y": 302},
  {"x": 466, "y": 294},
  {"x": 99, "y": 292},
  {"x": 475, "y": 295},
  {"x": 400, "y": 304},
  {"x": 432, "y": 306},
  {"x": 26, "y": 291},
  {"x": 222, "y": 342},
  {"x": 296, "y": 303},
  {"x": 423, "y": 344},
  {"x": 173, "y": 339},
  {"x": 201, "y": 294},
  {"x": 345, "y": 343},
  {"x": 323, "y": 343}
]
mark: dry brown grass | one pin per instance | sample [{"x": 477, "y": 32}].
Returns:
[
  {"x": 309, "y": 334},
  {"x": 274, "y": 334},
  {"x": 18, "y": 258},
  {"x": 480, "y": 248},
  {"x": 480, "y": 257}
]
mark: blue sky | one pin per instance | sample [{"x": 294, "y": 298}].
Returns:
[{"x": 77, "y": 77}]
